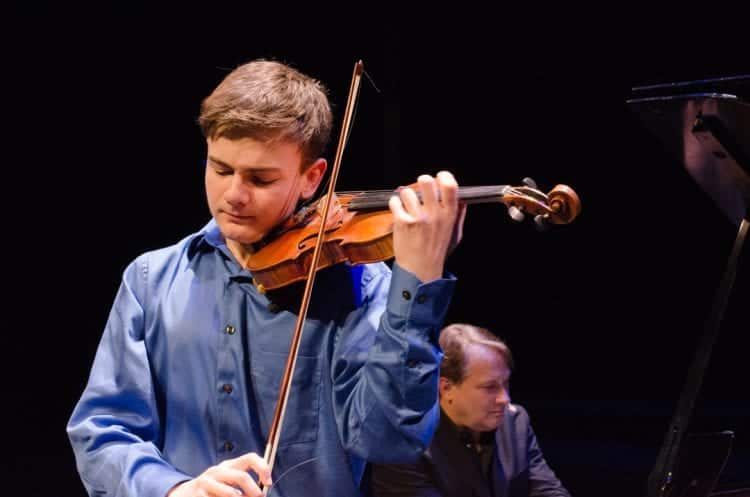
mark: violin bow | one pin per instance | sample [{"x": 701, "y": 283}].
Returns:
[{"x": 278, "y": 417}]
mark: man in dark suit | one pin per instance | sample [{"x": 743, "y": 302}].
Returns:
[{"x": 484, "y": 445}]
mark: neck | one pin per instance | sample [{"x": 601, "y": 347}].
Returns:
[
  {"x": 240, "y": 251},
  {"x": 451, "y": 414},
  {"x": 474, "y": 435}
]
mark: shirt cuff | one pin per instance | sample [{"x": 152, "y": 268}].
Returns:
[
  {"x": 160, "y": 480},
  {"x": 417, "y": 302}
]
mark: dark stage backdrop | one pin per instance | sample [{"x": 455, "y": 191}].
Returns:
[{"x": 603, "y": 315}]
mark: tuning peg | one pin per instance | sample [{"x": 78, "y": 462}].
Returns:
[
  {"x": 541, "y": 222},
  {"x": 516, "y": 213},
  {"x": 530, "y": 183}
]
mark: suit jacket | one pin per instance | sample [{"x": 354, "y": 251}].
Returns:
[{"x": 446, "y": 469}]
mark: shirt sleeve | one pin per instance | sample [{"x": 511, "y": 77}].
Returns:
[
  {"x": 385, "y": 367},
  {"x": 115, "y": 427}
]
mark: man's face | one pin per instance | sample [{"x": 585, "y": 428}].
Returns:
[
  {"x": 479, "y": 401},
  {"x": 252, "y": 186}
]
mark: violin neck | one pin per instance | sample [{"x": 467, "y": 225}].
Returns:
[
  {"x": 482, "y": 194},
  {"x": 466, "y": 194}
]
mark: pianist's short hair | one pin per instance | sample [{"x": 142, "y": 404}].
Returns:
[{"x": 454, "y": 340}]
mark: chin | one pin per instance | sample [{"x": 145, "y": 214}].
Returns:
[
  {"x": 491, "y": 426},
  {"x": 239, "y": 234}
]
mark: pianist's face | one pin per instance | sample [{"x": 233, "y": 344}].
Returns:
[{"x": 478, "y": 402}]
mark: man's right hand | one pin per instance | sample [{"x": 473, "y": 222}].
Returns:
[{"x": 227, "y": 479}]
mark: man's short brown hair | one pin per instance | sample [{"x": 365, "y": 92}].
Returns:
[
  {"x": 454, "y": 340},
  {"x": 268, "y": 101}
]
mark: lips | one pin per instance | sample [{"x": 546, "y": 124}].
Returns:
[{"x": 236, "y": 217}]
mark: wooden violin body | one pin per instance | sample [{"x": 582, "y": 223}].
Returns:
[
  {"x": 360, "y": 226},
  {"x": 358, "y": 237}
]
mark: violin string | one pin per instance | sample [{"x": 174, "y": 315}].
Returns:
[
  {"x": 379, "y": 198},
  {"x": 464, "y": 189},
  {"x": 277, "y": 480},
  {"x": 364, "y": 192}
]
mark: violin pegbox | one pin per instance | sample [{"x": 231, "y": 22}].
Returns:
[{"x": 560, "y": 206}]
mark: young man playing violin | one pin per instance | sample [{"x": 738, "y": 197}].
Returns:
[{"x": 186, "y": 378}]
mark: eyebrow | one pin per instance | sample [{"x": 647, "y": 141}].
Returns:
[
  {"x": 252, "y": 168},
  {"x": 494, "y": 381}
]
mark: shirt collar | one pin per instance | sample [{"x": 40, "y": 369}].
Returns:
[{"x": 210, "y": 238}]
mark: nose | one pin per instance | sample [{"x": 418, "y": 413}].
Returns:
[
  {"x": 237, "y": 193},
  {"x": 503, "y": 397}
]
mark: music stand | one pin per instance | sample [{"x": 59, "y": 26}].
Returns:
[
  {"x": 701, "y": 459},
  {"x": 704, "y": 124}
]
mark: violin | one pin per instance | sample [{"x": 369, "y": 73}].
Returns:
[{"x": 359, "y": 228}]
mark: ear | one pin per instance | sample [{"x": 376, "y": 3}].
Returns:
[
  {"x": 444, "y": 385},
  {"x": 312, "y": 176}
]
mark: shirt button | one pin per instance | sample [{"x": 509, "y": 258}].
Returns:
[
  {"x": 227, "y": 388},
  {"x": 230, "y": 329},
  {"x": 406, "y": 294},
  {"x": 228, "y": 446},
  {"x": 422, "y": 299}
]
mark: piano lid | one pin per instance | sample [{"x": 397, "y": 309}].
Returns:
[{"x": 705, "y": 124}]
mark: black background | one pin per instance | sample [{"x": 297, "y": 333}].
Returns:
[{"x": 603, "y": 315}]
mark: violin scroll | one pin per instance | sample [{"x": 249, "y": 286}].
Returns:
[{"x": 560, "y": 206}]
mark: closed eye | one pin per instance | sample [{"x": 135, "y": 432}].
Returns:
[{"x": 263, "y": 182}]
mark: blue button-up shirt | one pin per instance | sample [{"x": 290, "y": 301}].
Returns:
[{"x": 188, "y": 370}]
